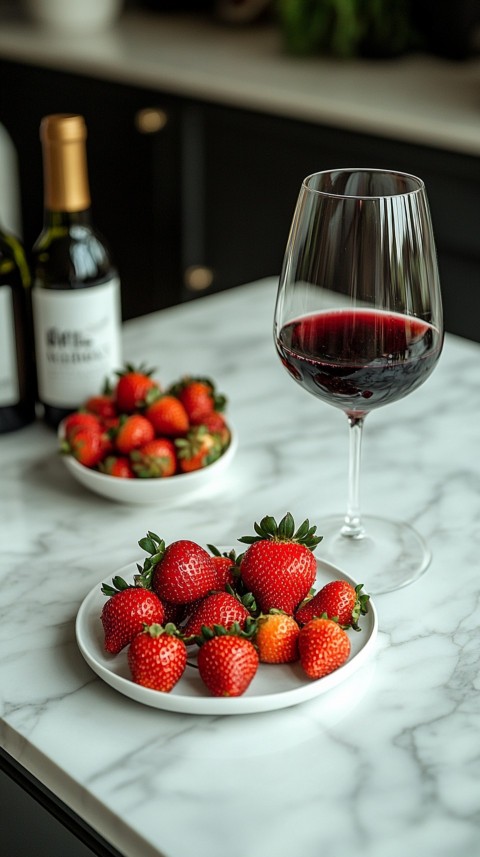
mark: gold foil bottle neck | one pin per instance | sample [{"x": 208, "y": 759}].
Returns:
[{"x": 65, "y": 171}]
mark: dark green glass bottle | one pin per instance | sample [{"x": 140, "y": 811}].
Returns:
[
  {"x": 76, "y": 290},
  {"x": 17, "y": 369}
]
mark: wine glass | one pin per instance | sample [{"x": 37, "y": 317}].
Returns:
[{"x": 358, "y": 323}]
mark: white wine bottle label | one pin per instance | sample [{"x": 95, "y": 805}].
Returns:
[
  {"x": 77, "y": 341},
  {"x": 9, "y": 390}
]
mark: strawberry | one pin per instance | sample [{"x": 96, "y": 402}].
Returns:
[
  {"x": 168, "y": 416},
  {"x": 227, "y": 662},
  {"x": 226, "y": 566},
  {"x": 117, "y": 465},
  {"x": 216, "y": 424},
  {"x": 225, "y": 571},
  {"x": 338, "y": 600},
  {"x": 179, "y": 573},
  {"x": 276, "y": 638},
  {"x": 133, "y": 432},
  {"x": 80, "y": 419},
  {"x": 279, "y": 566},
  {"x": 198, "y": 449},
  {"x": 199, "y": 397},
  {"x": 87, "y": 445},
  {"x": 127, "y": 610},
  {"x": 177, "y": 613},
  {"x": 103, "y": 406},
  {"x": 323, "y": 645},
  {"x": 157, "y": 657},
  {"x": 132, "y": 388},
  {"x": 218, "y": 608},
  {"x": 154, "y": 459}
]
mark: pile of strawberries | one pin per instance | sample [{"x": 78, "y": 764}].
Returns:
[
  {"x": 233, "y": 611},
  {"x": 138, "y": 430}
]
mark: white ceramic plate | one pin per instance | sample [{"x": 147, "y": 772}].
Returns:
[
  {"x": 274, "y": 685},
  {"x": 151, "y": 491}
]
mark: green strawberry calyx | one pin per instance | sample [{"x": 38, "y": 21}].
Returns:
[
  {"x": 148, "y": 466},
  {"x": 189, "y": 446},
  {"x": 129, "y": 368},
  {"x": 155, "y": 546},
  {"x": 231, "y": 555},
  {"x": 119, "y": 584},
  {"x": 234, "y": 630},
  {"x": 155, "y": 630},
  {"x": 360, "y": 607},
  {"x": 247, "y": 599},
  {"x": 269, "y": 530}
]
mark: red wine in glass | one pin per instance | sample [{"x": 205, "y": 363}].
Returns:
[
  {"x": 358, "y": 324},
  {"x": 358, "y": 360}
]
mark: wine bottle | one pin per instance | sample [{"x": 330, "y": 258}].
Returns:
[
  {"x": 17, "y": 368},
  {"x": 76, "y": 289}
]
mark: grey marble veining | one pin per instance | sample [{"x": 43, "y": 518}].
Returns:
[{"x": 384, "y": 764}]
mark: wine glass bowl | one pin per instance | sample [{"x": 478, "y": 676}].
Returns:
[{"x": 358, "y": 323}]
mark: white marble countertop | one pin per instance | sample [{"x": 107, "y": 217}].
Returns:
[
  {"x": 417, "y": 98},
  {"x": 385, "y": 764}
]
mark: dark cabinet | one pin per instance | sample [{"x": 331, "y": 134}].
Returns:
[
  {"x": 196, "y": 197},
  {"x": 133, "y": 156},
  {"x": 254, "y": 166},
  {"x": 34, "y": 821}
]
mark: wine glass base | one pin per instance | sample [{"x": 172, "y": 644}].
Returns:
[{"x": 388, "y": 556}]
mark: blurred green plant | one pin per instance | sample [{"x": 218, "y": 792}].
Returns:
[{"x": 347, "y": 28}]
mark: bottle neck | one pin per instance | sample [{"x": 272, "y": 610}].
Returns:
[
  {"x": 64, "y": 220},
  {"x": 66, "y": 187}
]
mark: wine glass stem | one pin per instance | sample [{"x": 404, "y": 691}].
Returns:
[{"x": 353, "y": 527}]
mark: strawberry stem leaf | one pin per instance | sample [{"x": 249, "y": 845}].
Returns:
[
  {"x": 284, "y": 532},
  {"x": 155, "y": 546},
  {"x": 119, "y": 584},
  {"x": 142, "y": 369}
]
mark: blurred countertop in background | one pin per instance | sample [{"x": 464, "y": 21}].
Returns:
[{"x": 416, "y": 98}]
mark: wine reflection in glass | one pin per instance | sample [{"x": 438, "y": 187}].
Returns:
[{"x": 358, "y": 323}]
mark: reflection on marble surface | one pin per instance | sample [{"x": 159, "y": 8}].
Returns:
[{"x": 381, "y": 765}]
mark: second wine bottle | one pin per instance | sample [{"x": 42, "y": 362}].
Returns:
[{"x": 76, "y": 289}]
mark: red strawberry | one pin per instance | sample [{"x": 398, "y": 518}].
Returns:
[
  {"x": 198, "y": 449},
  {"x": 133, "y": 431},
  {"x": 227, "y": 568},
  {"x": 157, "y": 657},
  {"x": 323, "y": 645},
  {"x": 276, "y": 638},
  {"x": 218, "y": 608},
  {"x": 279, "y": 566},
  {"x": 155, "y": 459},
  {"x": 338, "y": 600},
  {"x": 199, "y": 397},
  {"x": 117, "y": 465},
  {"x": 127, "y": 610},
  {"x": 177, "y": 613},
  {"x": 227, "y": 664},
  {"x": 216, "y": 424},
  {"x": 168, "y": 416},
  {"x": 80, "y": 419},
  {"x": 224, "y": 568},
  {"x": 132, "y": 388},
  {"x": 87, "y": 445},
  {"x": 103, "y": 406},
  {"x": 179, "y": 573}
]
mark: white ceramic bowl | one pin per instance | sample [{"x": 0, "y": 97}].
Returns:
[{"x": 150, "y": 492}]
